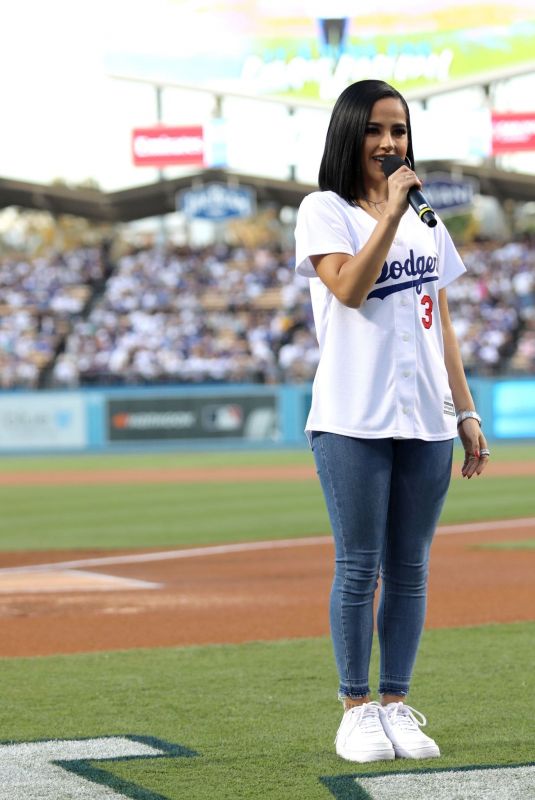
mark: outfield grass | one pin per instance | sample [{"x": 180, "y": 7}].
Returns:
[
  {"x": 174, "y": 514},
  {"x": 122, "y": 516},
  {"x": 199, "y": 459},
  {"x": 262, "y": 716}
]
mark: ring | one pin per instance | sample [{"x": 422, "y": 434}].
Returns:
[{"x": 484, "y": 452}]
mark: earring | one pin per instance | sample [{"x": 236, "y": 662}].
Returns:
[{"x": 408, "y": 162}]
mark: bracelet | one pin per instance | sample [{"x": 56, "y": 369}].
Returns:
[{"x": 462, "y": 415}]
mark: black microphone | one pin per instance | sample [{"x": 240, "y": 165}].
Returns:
[{"x": 416, "y": 199}]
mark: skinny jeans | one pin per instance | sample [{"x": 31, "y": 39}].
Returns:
[{"x": 384, "y": 498}]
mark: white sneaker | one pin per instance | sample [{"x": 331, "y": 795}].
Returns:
[
  {"x": 361, "y": 736},
  {"x": 402, "y": 727}
]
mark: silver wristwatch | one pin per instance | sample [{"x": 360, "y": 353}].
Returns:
[{"x": 462, "y": 415}]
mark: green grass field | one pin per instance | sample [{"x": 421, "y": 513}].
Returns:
[
  {"x": 261, "y": 717},
  {"x": 244, "y": 721},
  {"x": 166, "y": 514}
]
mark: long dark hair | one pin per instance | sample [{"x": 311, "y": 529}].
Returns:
[{"x": 341, "y": 168}]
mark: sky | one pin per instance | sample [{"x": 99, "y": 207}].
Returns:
[{"x": 64, "y": 117}]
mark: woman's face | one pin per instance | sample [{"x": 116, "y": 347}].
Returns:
[{"x": 386, "y": 134}]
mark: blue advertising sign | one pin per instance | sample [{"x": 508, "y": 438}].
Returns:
[
  {"x": 217, "y": 201},
  {"x": 448, "y": 194}
]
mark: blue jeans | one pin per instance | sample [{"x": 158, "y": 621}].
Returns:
[{"x": 384, "y": 498}]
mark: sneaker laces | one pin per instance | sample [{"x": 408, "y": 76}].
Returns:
[
  {"x": 366, "y": 716},
  {"x": 405, "y": 717}
]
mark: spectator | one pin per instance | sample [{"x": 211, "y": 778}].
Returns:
[
  {"x": 39, "y": 299},
  {"x": 222, "y": 314}
]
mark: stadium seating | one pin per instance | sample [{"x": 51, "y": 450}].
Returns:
[
  {"x": 41, "y": 297},
  {"x": 222, "y": 314}
]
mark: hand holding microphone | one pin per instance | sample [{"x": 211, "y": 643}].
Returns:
[{"x": 415, "y": 197}]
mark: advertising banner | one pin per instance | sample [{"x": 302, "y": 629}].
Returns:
[
  {"x": 512, "y": 132},
  {"x": 42, "y": 421},
  {"x": 252, "y": 417},
  {"x": 162, "y": 146},
  {"x": 313, "y": 49},
  {"x": 216, "y": 201},
  {"x": 449, "y": 195}
]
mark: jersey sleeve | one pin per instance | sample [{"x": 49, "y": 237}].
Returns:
[
  {"x": 451, "y": 264},
  {"x": 321, "y": 228}
]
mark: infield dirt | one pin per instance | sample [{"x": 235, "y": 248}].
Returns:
[
  {"x": 240, "y": 596},
  {"x": 293, "y": 472}
]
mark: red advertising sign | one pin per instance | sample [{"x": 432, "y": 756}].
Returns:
[
  {"x": 512, "y": 132},
  {"x": 163, "y": 146}
]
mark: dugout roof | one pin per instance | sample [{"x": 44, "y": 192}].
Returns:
[{"x": 160, "y": 198}]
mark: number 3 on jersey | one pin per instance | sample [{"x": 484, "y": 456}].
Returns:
[{"x": 427, "y": 320}]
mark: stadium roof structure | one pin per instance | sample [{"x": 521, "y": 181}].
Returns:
[{"x": 159, "y": 198}]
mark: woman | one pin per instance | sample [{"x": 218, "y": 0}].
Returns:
[{"x": 388, "y": 392}]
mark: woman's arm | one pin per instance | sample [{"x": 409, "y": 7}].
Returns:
[
  {"x": 470, "y": 432},
  {"x": 350, "y": 278}
]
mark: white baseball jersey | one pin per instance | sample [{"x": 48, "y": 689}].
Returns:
[{"x": 381, "y": 372}]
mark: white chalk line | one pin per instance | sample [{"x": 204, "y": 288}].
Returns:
[{"x": 247, "y": 547}]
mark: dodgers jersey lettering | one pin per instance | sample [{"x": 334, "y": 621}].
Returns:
[
  {"x": 381, "y": 371},
  {"x": 421, "y": 266}
]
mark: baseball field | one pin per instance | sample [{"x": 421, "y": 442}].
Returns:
[{"x": 164, "y": 633}]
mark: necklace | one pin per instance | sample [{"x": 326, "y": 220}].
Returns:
[{"x": 375, "y": 204}]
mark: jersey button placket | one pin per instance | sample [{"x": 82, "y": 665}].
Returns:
[{"x": 406, "y": 360}]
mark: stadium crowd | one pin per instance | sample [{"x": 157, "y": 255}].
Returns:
[
  {"x": 493, "y": 308},
  {"x": 39, "y": 298},
  {"x": 195, "y": 316},
  {"x": 222, "y": 313}
]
